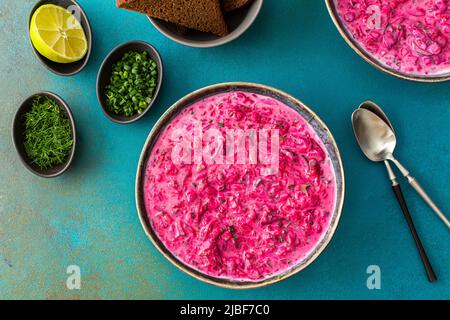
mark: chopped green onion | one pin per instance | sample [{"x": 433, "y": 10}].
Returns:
[{"x": 132, "y": 84}]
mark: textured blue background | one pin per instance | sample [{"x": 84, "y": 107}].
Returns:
[{"x": 87, "y": 217}]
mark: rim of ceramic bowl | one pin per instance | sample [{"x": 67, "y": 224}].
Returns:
[
  {"x": 324, "y": 134},
  {"x": 101, "y": 70},
  {"x": 332, "y": 10},
  {"x": 243, "y": 27},
  {"x": 64, "y": 106},
  {"x": 88, "y": 32}
]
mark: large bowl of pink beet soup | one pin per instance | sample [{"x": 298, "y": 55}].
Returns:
[
  {"x": 409, "y": 39},
  {"x": 240, "y": 185}
]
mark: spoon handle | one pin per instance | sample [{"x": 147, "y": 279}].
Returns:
[
  {"x": 416, "y": 186},
  {"x": 413, "y": 182},
  {"x": 401, "y": 200}
]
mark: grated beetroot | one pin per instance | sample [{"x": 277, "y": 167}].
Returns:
[
  {"x": 410, "y": 36},
  {"x": 230, "y": 220}
]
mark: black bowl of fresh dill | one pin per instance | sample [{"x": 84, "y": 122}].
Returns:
[
  {"x": 129, "y": 81},
  {"x": 44, "y": 134}
]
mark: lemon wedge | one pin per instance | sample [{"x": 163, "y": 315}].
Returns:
[{"x": 57, "y": 34}]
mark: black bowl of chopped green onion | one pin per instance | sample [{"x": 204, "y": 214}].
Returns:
[
  {"x": 44, "y": 134},
  {"x": 129, "y": 81}
]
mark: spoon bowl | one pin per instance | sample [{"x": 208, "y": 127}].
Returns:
[
  {"x": 376, "y": 109},
  {"x": 375, "y": 137}
]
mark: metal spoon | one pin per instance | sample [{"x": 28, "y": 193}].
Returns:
[
  {"x": 378, "y": 141},
  {"x": 371, "y": 106}
]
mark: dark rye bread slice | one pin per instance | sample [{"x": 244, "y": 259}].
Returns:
[
  {"x": 203, "y": 15},
  {"x": 231, "y": 5},
  {"x": 227, "y": 6}
]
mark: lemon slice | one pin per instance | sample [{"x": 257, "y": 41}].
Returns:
[{"x": 57, "y": 34}]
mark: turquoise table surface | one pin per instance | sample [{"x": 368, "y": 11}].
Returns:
[{"x": 87, "y": 217}]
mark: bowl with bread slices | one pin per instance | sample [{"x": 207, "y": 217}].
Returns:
[{"x": 198, "y": 23}]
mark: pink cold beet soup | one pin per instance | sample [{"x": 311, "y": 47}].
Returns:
[
  {"x": 240, "y": 221},
  {"x": 410, "y": 36}
]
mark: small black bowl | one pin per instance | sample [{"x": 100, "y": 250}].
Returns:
[
  {"x": 18, "y": 136},
  {"x": 105, "y": 71},
  {"x": 65, "y": 69}
]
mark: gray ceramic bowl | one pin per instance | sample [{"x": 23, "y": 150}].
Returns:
[
  {"x": 104, "y": 75},
  {"x": 18, "y": 136},
  {"x": 238, "y": 22},
  {"x": 65, "y": 69},
  {"x": 316, "y": 123},
  {"x": 372, "y": 60}
]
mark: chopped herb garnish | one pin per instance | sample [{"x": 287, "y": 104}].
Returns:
[
  {"x": 48, "y": 133},
  {"x": 220, "y": 124},
  {"x": 280, "y": 125},
  {"x": 132, "y": 84}
]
